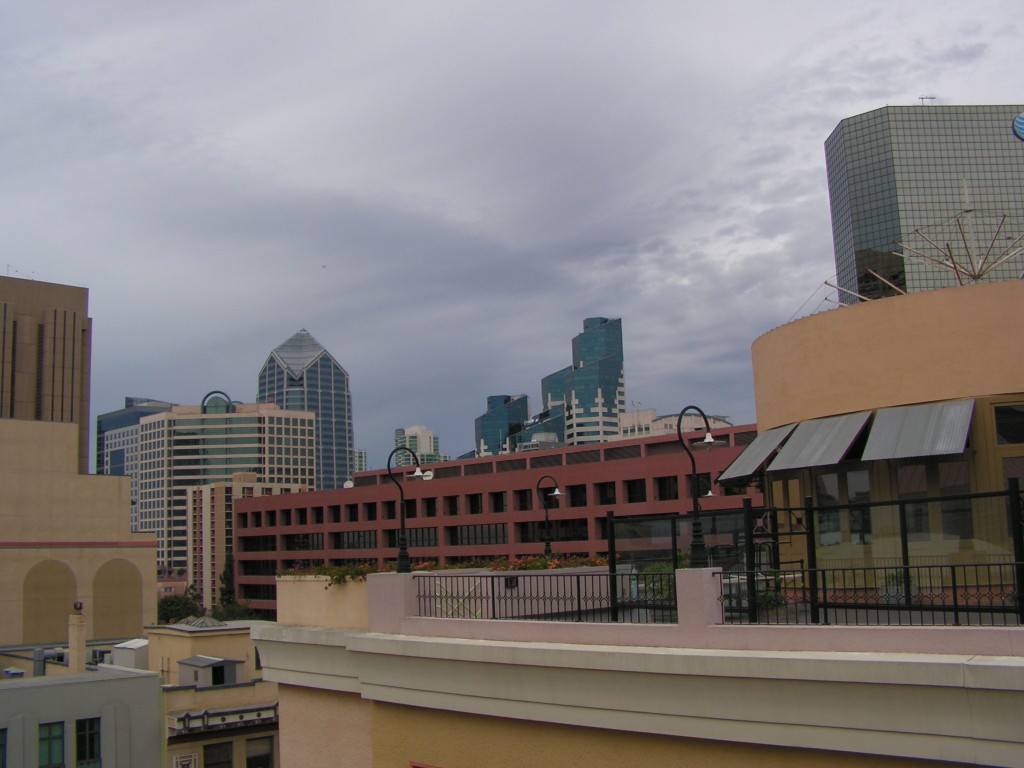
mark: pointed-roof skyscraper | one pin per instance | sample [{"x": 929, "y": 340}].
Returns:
[{"x": 301, "y": 375}]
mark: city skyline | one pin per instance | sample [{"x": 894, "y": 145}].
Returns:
[{"x": 439, "y": 195}]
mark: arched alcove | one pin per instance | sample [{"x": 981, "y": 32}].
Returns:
[
  {"x": 117, "y": 601},
  {"x": 48, "y": 597}
]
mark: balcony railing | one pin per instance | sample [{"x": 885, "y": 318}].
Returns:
[
  {"x": 549, "y": 596},
  {"x": 975, "y": 594}
]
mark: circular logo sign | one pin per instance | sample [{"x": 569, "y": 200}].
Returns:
[{"x": 1018, "y": 126}]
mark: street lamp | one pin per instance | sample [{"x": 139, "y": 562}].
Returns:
[
  {"x": 547, "y": 522},
  {"x": 698, "y": 552},
  {"x": 403, "y": 542}
]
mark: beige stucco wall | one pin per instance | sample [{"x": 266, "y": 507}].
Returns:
[
  {"x": 168, "y": 645},
  {"x": 410, "y": 735},
  {"x": 325, "y": 729},
  {"x": 312, "y": 600},
  {"x": 938, "y": 345},
  {"x": 64, "y": 537}
]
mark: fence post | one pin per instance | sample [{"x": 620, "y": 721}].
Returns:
[
  {"x": 1017, "y": 532},
  {"x": 956, "y": 599},
  {"x": 812, "y": 559},
  {"x": 748, "y": 534},
  {"x": 613, "y": 581}
]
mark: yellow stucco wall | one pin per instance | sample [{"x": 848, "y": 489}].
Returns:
[
  {"x": 938, "y": 345},
  {"x": 64, "y": 537},
  {"x": 325, "y": 729},
  {"x": 404, "y": 736},
  {"x": 169, "y": 645}
]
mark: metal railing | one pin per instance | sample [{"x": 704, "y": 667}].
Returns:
[
  {"x": 545, "y": 596},
  {"x": 974, "y": 594}
]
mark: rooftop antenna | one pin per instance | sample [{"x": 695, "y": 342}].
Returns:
[{"x": 923, "y": 99}]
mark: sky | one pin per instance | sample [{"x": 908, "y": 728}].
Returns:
[{"x": 441, "y": 192}]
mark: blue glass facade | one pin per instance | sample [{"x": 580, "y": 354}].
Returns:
[
  {"x": 919, "y": 180},
  {"x": 505, "y": 417},
  {"x": 595, "y": 387},
  {"x": 301, "y": 375}
]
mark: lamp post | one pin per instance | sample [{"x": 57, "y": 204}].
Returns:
[
  {"x": 698, "y": 552},
  {"x": 547, "y": 521},
  {"x": 403, "y": 543}
]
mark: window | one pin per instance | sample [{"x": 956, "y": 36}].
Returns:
[
  {"x": 827, "y": 487},
  {"x": 51, "y": 745},
  {"x": 957, "y": 516},
  {"x": 577, "y": 495},
  {"x": 858, "y": 490},
  {"x": 703, "y": 483},
  {"x": 636, "y": 491},
  {"x": 259, "y": 753},
  {"x": 217, "y": 755},
  {"x": 87, "y": 743},
  {"x": 497, "y": 501},
  {"x": 475, "y": 502},
  {"x": 524, "y": 499},
  {"x": 1010, "y": 424},
  {"x": 667, "y": 488},
  {"x": 389, "y": 510},
  {"x": 912, "y": 483},
  {"x": 451, "y": 505},
  {"x": 605, "y": 493}
]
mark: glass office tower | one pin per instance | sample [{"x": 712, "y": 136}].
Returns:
[
  {"x": 924, "y": 181},
  {"x": 505, "y": 417},
  {"x": 300, "y": 375}
]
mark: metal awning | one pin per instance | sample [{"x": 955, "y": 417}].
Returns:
[
  {"x": 756, "y": 454},
  {"x": 820, "y": 442},
  {"x": 930, "y": 429}
]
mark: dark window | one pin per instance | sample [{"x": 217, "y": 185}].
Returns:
[
  {"x": 524, "y": 499},
  {"x": 390, "y": 508},
  {"x": 370, "y": 511},
  {"x": 303, "y": 517},
  {"x": 354, "y": 540},
  {"x": 257, "y": 543},
  {"x": 475, "y": 502},
  {"x": 430, "y": 507},
  {"x": 286, "y": 517},
  {"x": 335, "y": 512},
  {"x": 605, "y": 493},
  {"x": 1010, "y": 424},
  {"x": 410, "y": 508},
  {"x": 51, "y": 745},
  {"x": 957, "y": 516},
  {"x": 703, "y": 483},
  {"x": 351, "y": 513},
  {"x": 666, "y": 488},
  {"x": 560, "y": 530},
  {"x": 577, "y": 495},
  {"x": 414, "y": 537},
  {"x": 302, "y": 541},
  {"x": 636, "y": 491},
  {"x": 259, "y": 753},
  {"x": 217, "y": 755},
  {"x": 497, "y": 501},
  {"x": 468, "y": 535},
  {"x": 451, "y": 505}
]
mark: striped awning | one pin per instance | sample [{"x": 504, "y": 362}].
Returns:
[
  {"x": 756, "y": 454},
  {"x": 929, "y": 429},
  {"x": 820, "y": 442}
]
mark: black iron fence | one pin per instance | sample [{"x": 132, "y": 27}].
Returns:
[
  {"x": 972, "y": 594},
  {"x": 633, "y": 597}
]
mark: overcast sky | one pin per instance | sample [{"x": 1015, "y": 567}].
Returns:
[{"x": 440, "y": 192}]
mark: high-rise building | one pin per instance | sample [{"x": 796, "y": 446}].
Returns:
[
  {"x": 300, "y": 375},
  {"x": 198, "y": 445},
  {"x": 117, "y": 443},
  {"x": 505, "y": 417},
  {"x": 211, "y": 521},
  {"x": 45, "y": 352},
  {"x": 595, "y": 388},
  {"x": 913, "y": 188},
  {"x": 423, "y": 442}
]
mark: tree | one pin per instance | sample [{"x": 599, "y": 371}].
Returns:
[
  {"x": 177, "y": 607},
  {"x": 227, "y": 582}
]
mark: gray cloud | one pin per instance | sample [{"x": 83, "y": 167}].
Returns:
[{"x": 441, "y": 193}]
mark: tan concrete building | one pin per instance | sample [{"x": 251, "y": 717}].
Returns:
[
  {"x": 211, "y": 532},
  {"x": 369, "y": 672},
  {"x": 45, "y": 353},
  {"x": 904, "y": 400},
  {"x": 66, "y": 538},
  {"x": 218, "y": 710}
]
